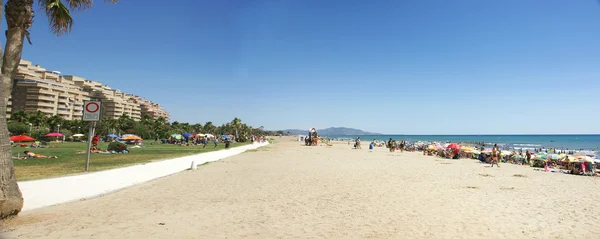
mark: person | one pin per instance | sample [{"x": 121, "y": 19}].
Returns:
[
  {"x": 495, "y": 155},
  {"x": 34, "y": 155},
  {"x": 402, "y": 144},
  {"x": 358, "y": 143},
  {"x": 227, "y": 142},
  {"x": 95, "y": 140},
  {"x": 371, "y": 145},
  {"x": 528, "y": 157},
  {"x": 389, "y": 143},
  {"x": 216, "y": 142},
  {"x": 456, "y": 153}
]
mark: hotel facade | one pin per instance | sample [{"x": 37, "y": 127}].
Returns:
[{"x": 37, "y": 89}]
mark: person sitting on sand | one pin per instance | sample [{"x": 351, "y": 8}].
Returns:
[{"x": 34, "y": 155}]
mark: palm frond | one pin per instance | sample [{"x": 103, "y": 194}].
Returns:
[
  {"x": 59, "y": 16},
  {"x": 80, "y": 4}
]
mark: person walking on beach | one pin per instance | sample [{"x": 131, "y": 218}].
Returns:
[
  {"x": 389, "y": 143},
  {"x": 358, "y": 143},
  {"x": 495, "y": 155},
  {"x": 402, "y": 144}
]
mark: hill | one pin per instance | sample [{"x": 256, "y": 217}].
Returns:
[{"x": 333, "y": 131}]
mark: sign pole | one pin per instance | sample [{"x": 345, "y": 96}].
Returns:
[
  {"x": 91, "y": 113},
  {"x": 89, "y": 146}
]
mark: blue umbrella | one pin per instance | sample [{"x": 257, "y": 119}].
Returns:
[
  {"x": 187, "y": 135},
  {"x": 112, "y": 135}
]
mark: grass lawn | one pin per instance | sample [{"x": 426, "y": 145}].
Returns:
[{"x": 70, "y": 163}]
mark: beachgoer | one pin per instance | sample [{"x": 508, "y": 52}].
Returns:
[
  {"x": 216, "y": 143},
  {"x": 34, "y": 155},
  {"x": 358, "y": 143},
  {"x": 390, "y": 145},
  {"x": 495, "y": 156}
]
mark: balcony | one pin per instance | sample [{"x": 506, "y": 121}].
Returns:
[{"x": 39, "y": 103}]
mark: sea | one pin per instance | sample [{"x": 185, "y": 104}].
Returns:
[{"x": 577, "y": 142}]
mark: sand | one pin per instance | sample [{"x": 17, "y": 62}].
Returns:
[{"x": 287, "y": 190}]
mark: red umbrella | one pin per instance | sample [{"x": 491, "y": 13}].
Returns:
[
  {"x": 20, "y": 138},
  {"x": 454, "y": 146}
]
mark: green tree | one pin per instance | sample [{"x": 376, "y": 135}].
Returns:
[
  {"x": 209, "y": 128},
  {"x": 235, "y": 125},
  {"x": 19, "y": 116},
  {"x": 37, "y": 118},
  {"x": 54, "y": 121},
  {"x": 125, "y": 123},
  {"x": 19, "y": 18}
]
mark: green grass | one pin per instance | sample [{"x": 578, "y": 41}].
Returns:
[{"x": 69, "y": 163}]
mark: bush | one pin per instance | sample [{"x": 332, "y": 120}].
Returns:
[
  {"x": 116, "y": 146},
  {"x": 18, "y": 128},
  {"x": 39, "y": 134}
]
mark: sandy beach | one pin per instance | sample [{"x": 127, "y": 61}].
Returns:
[{"x": 286, "y": 190}]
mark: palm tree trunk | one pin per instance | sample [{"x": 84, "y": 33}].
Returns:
[{"x": 19, "y": 17}]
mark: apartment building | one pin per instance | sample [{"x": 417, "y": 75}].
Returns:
[
  {"x": 114, "y": 102},
  {"x": 150, "y": 108},
  {"x": 47, "y": 91},
  {"x": 53, "y": 94}
]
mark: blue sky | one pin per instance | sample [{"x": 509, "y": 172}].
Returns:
[{"x": 408, "y": 67}]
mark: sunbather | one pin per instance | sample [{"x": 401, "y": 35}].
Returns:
[{"x": 34, "y": 155}]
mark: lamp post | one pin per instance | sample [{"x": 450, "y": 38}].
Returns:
[
  {"x": 30, "y": 124},
  {"x": 78, "y": 131},
  {"x": 58, "y": 131}
]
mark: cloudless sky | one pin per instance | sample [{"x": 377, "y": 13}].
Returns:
[{"x": 406, "y": 67}]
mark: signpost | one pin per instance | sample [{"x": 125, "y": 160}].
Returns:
[{"x": 91, "y": 113}]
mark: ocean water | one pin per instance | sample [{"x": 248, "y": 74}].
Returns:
[{"x": 571, "y": 142}]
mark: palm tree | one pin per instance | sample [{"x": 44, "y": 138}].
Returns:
[
  {"x": 54, "y": 121},
  {"x": 146, "y": 120},
  {"x": 38, "y": 118},
  {"x": 19, "y": 116},
  {"x": 209, "y": 128},
  {"x": 235, "y": 124},
  {"x": 19, "y": 18}
]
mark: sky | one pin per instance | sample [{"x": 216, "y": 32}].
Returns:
[{"x": 398, "y": 67}]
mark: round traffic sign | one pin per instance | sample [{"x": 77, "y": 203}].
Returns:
[{"x": 92, "y": 107}]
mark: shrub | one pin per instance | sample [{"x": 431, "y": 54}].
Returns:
[
  {"x": 116, "y": 146},
  {"x": 18, "y": 128}
]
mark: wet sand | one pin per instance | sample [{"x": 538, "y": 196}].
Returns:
[{"x": 287, "y": 190}]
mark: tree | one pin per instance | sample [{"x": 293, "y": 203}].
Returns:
[
  {"x": 209, "y": 128},
  {"x": 19, "y": 116},
  {"x": 235, "y": 124},
  {"x": 19, "y": 18},
  {"x": 54, "y": 121},
  {"x": 37, "y": 119}
]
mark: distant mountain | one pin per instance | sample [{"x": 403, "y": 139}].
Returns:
[{"x": 333, "y": 131}]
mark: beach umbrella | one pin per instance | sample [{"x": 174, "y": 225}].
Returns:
[
  {"x": 476, "y": 152},
  {"x": 187, "y": 135},
  {"x": 453, "y": 146},
  {"x": 54, "y": 134},
  {"x": 77, "y": 135},
  {"x": 112, "y": 135},
  {"x": 131, "y": 137},
  {"x": 553, "y": 156},
  {"x": 21, "y": 138},
  {"x": 505, "y": 152},
  {"x": 517, "y": 156},
  {"x": 585, "y": 159},
  {"x": 571, "y": 160}
]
